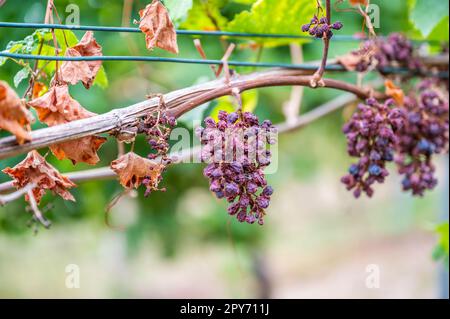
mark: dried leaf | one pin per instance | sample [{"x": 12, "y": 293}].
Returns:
[
  {"x": 394, "y": 92},
  {"x": 57, "y": 107},
  {"x": 39, "y": 89},
  {"x": 350, "y": 61},
  {"x": 356, "y": 2},
  {"x": 83, "y": 150},
  {"x": 133, "y": 169},
  {"x": 35, "y": 169},
  {"x": 361, "y": 59},
  {"x": 84, "y": 71},
  {"x": 14, "y": 116},
  {"x": 158, "y": 28}
]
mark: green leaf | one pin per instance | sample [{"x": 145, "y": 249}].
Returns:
[
  {"x": 206, "y": 15},
  {"x": 274, "y": 16},
  {"x": 21, "y": 75},
  {"x": 101, "y": 79},
  {"x": 28, "y": 45},
  {"x": 224, "y": 103},
  {"x": 248, "y": 2},
  {"x": 249, "y": 100},
  {"x": 65, "y": 38},
  {"x": 441, "y": 251},
  {"x": 3, "y": 59},
  {"x": 442, "y": 231},
  {"x": 227, "y": 103},
  {"x": 440, "y": 32},
  {"x": 178, "y": 9},
  {"x": 48, "y": 67},
  {"x": 427, "y": 14}
]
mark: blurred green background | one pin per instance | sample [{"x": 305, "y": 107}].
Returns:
[{"x": 317, "y": 242}]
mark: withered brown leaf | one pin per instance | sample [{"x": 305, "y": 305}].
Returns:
[
  {"x": 84, "y": 71},
  {"x": 361, "y": 59},
  {"x": 39, "y": 89},
  {"x": 350, "y": 61},
  {"x": 132, "y": 169},
  {"x": 355, "y": 2},
  {"x": 35, "y": 169},
  {"x": 14, "y": 116},
  {"x": 58, "y": 107},
  {"x": 158, "y": 27},
  {"x": 394, "y": 92},
  {"x": 83, "y": 150}
]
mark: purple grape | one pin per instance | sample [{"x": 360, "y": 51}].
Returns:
[
  {"x": 424, "y": 134},
  {"x": 320, "y": 28},
  {"x": 238, "y": 179},
  {"x": 337, "y": 25},
  {"x": 394, "y": 51},
  {"x": 371, "y": 137},
  {"x": 305, "y": 27},
  {"x": 157, "y": 129},
  {"x": 268, "y": 191}
]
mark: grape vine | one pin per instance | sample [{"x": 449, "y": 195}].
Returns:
[{"x": 407, "y": 130}]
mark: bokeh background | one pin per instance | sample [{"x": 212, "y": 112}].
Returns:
[{"x": 318, "y": 241}]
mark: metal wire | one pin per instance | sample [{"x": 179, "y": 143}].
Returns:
[
  {"x": 306, "y": 67},
  {"x": 332, "y": 67},
  {"x": 180, "y": 32},
  {"x": 336, "y": 37}
]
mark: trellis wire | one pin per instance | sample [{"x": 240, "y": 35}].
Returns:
[
  {"x": 337, "y": 37},
  {"x": 333, "y": 67},
  {"x": 306, "y": 67},
  {"x": 180, "y": 32}
]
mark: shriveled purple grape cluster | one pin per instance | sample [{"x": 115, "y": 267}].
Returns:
[
  {"x": 321, "y": 27},
  {"x": 371, "y": 137},
  {"x": 157, "y": 128},
  {"x": 424, "y": 134},
  {"x": 394, "y": 51},
  {"x": 236, "y": 150}
]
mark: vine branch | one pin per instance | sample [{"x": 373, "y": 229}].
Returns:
[
  {"x": 317, "y": 77},
  {"x": 178, "y": 102},
  {"x": 5, "y": 199},
  {"x": 105, "y": 173}
]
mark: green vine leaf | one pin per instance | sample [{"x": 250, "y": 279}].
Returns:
[
  {"x": 274, "y": 16},
  {"x": 101, "y": 79},
  {"x": 247, "y": 2},
  {"x": 224, "y": 103},
  {"x": 27, "y": 45},
  {"x": 427, "y": 14},
  {"x": 441, "y": 251},
  {"x": 21, "y": 75},
  {"x": 228, "y": 104},
  {"x": 178, "y": 9},
  {"x": 441, "y": 31},
  {"x": 48, "y": 67},
  {"x": 206, "y": 15},
  {"x": 65, "y": 35}
]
